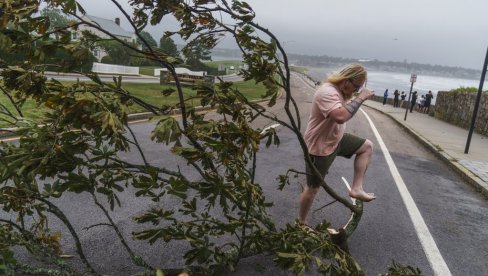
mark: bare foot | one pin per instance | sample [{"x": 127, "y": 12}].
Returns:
[{"x": 363, "y": 196}]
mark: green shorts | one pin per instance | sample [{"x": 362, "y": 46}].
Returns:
[{"x": 348, "y": 145}]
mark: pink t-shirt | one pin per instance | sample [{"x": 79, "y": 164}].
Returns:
[{"x": 323, "y": 134}]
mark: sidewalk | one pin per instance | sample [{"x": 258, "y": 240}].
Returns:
[{"x": 446, "y": 141}]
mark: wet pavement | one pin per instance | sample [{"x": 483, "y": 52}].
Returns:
[{"x": 447, "y": 141}]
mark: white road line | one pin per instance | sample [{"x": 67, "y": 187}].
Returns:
[
  {"x": 433, "y": 254},
  {"x": 349, "y": 188}
]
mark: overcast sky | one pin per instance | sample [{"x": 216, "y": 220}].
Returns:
[{"x": 444, "y": 32}]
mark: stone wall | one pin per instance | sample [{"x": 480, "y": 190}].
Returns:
[
  {"x": 389, "y": 101},
  {"x": 457, "y": 109}
]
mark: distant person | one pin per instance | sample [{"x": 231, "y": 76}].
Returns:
[
  {"x": 420, "y": 103},
  {"x": 325, "y": 136},
  {"x": 385, "y": 96},
  {"x": 413, "y": 101},
  {"x": 396, "y": 98},
  {"x": 428, "y": 99},
  {"x": 402, "y": 98}
]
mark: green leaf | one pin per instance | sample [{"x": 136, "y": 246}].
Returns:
[
  {"x": 167, "y": 130},
  {"x": 168, "y": 91},
  {"x": 177, "y": 188}
]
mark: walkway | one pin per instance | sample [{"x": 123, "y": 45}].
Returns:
[{"x": 447, "y": 141}]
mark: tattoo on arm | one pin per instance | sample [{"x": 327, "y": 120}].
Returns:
[{"x": 353, "y": 106}]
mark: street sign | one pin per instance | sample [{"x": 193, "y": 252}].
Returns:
[{"x": 413, "y": 78}]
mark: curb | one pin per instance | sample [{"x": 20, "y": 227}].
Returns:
[{"x": 466, "y": 174}]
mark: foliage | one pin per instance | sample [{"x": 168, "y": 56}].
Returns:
[
  {"x": 196, "y": 51},
  {"x": 214, "y": 204},
  {"x": 150, "y": 92},
  {"x": 313, "y": 249},
  {"x": 57, "y": 20},
  {"x": 397, "y": 269},
  {"x": 168, "y": 46},
  {"x": 466, "y": 89},
  {"x": 117, "y": 53},
  {"x": 44, "y": 51},
  {"x": 147, "y": 37}
]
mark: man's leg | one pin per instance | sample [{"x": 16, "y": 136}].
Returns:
[
  {"x": 306, "y": 200},
  {"x": 363, "y": 155}
]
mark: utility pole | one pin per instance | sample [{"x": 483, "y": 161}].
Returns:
[
  {"x": 477, "y": 103},
  {"x": 413, "y": 78}
]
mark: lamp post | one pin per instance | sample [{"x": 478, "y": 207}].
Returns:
[{"x": 477, "y": 103}]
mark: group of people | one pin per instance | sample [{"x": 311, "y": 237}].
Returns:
[
  {"x": 421, "y": 104},
  {"x": 398, "y": 98}
]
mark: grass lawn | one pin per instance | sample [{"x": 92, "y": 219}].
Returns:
[
  {"x": 149, "y": 92},
  {"x": 147, "y": 70},
  {"x": 226, "y": 63}
]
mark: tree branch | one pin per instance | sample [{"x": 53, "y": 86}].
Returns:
[
  {"x": 12, "y": 101},
  {"x": 136, "y": 143},
  {"x": 59, "y": 214},
  {"x": 136, "y": 259}
]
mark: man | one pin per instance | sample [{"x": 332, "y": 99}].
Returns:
[
  {"x": 385, "y": 96},
  {"x": 325, "y": 137},
  {"x": 428, "y": 99},
  {"x": 396, "y": 99},
  {"x": 413, "y": 101},
  {"x": 402, "y": 97}
]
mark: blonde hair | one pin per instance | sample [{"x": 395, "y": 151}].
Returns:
[{"x": 350, "y": 72}]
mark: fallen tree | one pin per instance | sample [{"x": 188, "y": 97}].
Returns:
[{"x": 77, "y": 147}]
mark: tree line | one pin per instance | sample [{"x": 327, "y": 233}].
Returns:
[
  {"x": 395, "y": 66},
  {"x": 116, "y": 53},
  {"x": 375, "y": 64}
]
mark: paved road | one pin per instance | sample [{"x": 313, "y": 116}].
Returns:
[
  {"x": 456, "y": 216},
  {"x": 454, "y": 213}
]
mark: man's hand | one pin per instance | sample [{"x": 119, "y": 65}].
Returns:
[
  {"x": 353, "y": 106},
  {"x": 365, "y": 94}
]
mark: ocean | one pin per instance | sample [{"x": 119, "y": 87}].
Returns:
[{"x": 380, "y": 81}]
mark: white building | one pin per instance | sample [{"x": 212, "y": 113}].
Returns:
[{"x": 112, "y": 27}]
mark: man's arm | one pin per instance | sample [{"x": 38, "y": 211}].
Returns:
[{"x": 346, "y": 112}]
